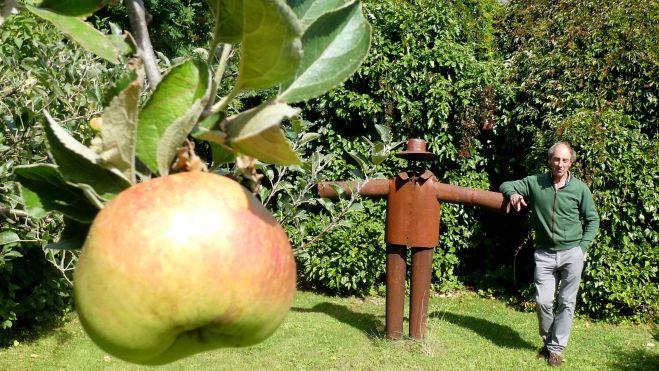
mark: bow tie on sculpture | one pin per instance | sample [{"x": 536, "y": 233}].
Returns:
[{"x": 414, "y": 199}]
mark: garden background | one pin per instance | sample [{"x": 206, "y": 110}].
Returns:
[{"x": 488, "y": 85}]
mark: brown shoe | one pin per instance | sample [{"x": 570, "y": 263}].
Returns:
[
  {"x": 543, "y": 353},
  {"x": 554, "y": 360}
]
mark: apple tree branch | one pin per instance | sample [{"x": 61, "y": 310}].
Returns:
[{"x": 138, "y": 24}]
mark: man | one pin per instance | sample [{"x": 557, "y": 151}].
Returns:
[{"x": 565, "y": 222}]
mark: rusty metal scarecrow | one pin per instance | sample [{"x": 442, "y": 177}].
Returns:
[{"x": 414, "y": 198}]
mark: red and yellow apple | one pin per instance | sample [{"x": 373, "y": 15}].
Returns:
[
  {"x": 182, "y": 264},
  {"x": 96, "y": 123}
]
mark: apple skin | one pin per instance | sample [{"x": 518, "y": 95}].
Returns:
[{"x": 183, "y": 264}]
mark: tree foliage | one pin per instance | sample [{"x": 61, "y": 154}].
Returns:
[
  {"x": 142, "y": 131},
  {"x": 176, "y": 27},
  {"x": 39, "y": 69}
]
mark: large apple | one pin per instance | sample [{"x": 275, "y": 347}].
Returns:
[{"x": 183, "y": 264}]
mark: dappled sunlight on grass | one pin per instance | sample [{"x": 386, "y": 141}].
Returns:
[{"x": 463, "y": 332}]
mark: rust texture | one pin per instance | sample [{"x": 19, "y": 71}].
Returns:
[
  {"x": 379, "y": 188},
  {"x": 371, "y": 188},
  {"x": 414, "y": 201},
  {"x": 412, "y": 211},
  {"x": 420, "y": 291},
  {"x": 395, "y": 291}
]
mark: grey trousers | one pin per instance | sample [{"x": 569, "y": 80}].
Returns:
[{"x": 557, "y": 270}]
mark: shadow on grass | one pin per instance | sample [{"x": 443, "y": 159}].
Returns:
[
  {"x": 500, "y": 335},
  {"x": 639, "y": 359},
  {"x": 30, "y": 335},
  {"x": 370, "y": 324}
]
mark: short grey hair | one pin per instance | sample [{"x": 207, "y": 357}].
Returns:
[{"x": 573, "y": 154}]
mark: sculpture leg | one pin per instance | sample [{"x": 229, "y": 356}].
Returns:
[
  {"x": 420, "y": 290},
  {"x": 396, "y": 265}
]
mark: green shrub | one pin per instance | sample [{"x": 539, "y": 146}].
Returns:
[
  {"x": 589, "y": 54},
  {"x": 431, "y": 73},
  {"x": 590, "y": 78},
  {"x": 349, "y": 260},
  {"x": 33, "y": 291}
]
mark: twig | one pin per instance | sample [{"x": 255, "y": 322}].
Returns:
[
  {"x": 86, "y": 117},
  {"x": 7, "y": 212},
  {"x": 59, "y": 264},
  {"x": 330, "y": 226},
  {"x": 354, "y": 196},
  {"x": 15, "y": 214},
  {"x": 137, "y": 17},
  {"x": 275, "y": 186}
]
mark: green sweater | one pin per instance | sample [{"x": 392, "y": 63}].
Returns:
[{"x": 557, "y": 215}]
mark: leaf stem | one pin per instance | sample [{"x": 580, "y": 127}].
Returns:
[
  {"x": 222, "y": 66},
  {"x": 224, "y": 102},
  {"x": 92, "y": 198},
  {"x": 217, "y": 79}
]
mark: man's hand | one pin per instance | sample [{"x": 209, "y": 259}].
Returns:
[{"x": 516, "y": 201}]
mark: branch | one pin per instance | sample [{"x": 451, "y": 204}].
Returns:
[
  {"x": 137, "y": 17},
  {"x": 15, "y": 214},
  {"x": 7, "y": 212}
]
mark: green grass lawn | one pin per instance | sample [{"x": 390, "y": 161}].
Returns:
[{"x": 465, "y": 332}]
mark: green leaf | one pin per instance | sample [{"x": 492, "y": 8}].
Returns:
[
  {"x": 119, "y": 130},
  {"x": 118, "y": 87},
  {"x": 123, "y": 42},
  {"x": 360, "y": 159},
  {"x": 377, "y": 159},
  {"x": 77, "y": 8},
  {"x": 80, "y": 165},
  {"x": 308, "y": 137},
  {"x": 271, "y": 49},
  {"x": 309, "y": 10},
  {"x": 256, "y": 133},
  {"x": 221, "y": 154},
  {"x": 171, "y": 113},
  {"x": 208, "y": 130},
  {"x": 44, "y": 189},
  {"x": 213, "y": 136},
  {"x": 229, "y": 19},
  {"x": 334, "y": 47},
  {"x": 384, "y": 132},
  {"x": 175, "y": 135},
  {"x": 7, "y": 237},
  {"x": 83, "y": 33},
  {"x": 72, "y": 237},
  {"x": 212, "y": 122}
]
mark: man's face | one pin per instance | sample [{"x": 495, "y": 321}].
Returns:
[{"x": 560, "y": 162}]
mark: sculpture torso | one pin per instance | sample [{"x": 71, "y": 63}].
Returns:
[{"x": 413, "y": 211}]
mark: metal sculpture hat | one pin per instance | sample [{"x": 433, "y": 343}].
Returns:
[{"x": 416, "y": 151}]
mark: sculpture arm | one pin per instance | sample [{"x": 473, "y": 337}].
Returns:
[
  {"x": 370, "y": 188},
  {"x": 469, "y": 196}
]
